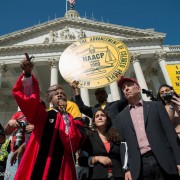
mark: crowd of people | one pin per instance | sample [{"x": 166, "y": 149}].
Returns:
[{"x": 128, "y": 139}]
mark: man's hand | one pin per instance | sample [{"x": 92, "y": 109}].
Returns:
[
  {"x": 119, "y": 76},
  {"x": 27, "y": 65},
  {"x": 176, "y": 102},
  {"x": 17, "y": 153},
  {"x": 13, "y": 123},
  {"x": 74, "y": 85},
  {"x": 11, "y": 126},
  {"x": 29, "y": 128},
  {"x": 128, "y": 175}
]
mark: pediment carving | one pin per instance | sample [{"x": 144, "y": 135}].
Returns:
[{"x": 64, "y": 34}]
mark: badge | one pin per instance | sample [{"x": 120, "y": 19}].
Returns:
[
  {"x": 94, "y": 61},
  {"x": 51, "y": 120}
]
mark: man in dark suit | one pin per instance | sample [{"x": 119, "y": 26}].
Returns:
[
  {"x": 153, "y": 149},
  {"x": 112, "y": 108}
]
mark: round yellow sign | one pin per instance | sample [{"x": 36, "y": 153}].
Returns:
[{"x": 94, "y": 61}]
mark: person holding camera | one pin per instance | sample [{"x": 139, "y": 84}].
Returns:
[
  {"x": 171, "y": 101},
  {"x": 20, "y": 130},
  {"x": 50, "y": 151},
  {"x": 112, "y": 108}
]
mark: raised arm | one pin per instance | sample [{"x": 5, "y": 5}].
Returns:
[
  {"x": 27, "y": 94},
  {"x": 83, "y": 108}
]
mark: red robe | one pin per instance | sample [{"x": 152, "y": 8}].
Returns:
[{"x": 36, "y": 114}]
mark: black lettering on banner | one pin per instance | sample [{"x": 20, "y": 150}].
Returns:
[
  {"x": 95, "y": 64},
  {"x": 122, "y": 66},
  {"x": 178, "y": 84},
  {"x": 93, "y": 57},
  {"x": 108, "y": 79},
  {"x": 178, "y": 78},
  {"x": 86, "y": 83},
  {"x": 177, "y": 67},
  {"x": 120, "y": 47},
  {"x": 113, "y": 75},
  {"x": 124, "y": 61},
  {"x": 177, "y": 72},
  {"x": 123, "y": 53}
]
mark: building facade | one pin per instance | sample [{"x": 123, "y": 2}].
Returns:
[{"x": 47, "y": 41}]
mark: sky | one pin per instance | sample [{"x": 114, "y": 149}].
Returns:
[{"x": 161, "y": 15}]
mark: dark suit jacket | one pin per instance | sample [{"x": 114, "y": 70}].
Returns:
[
  {"x": 112, "y": 108},
  {"x": 160, "y": 133},
  {"x": 95, "y": 147}
]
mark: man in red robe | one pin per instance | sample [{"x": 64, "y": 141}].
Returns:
[{"x": 49, "y": 152}]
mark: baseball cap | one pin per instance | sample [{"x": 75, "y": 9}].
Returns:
[{"x": 122, "y": 80}]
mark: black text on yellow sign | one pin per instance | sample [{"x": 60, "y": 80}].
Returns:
[{"x": 174, "y": 74}]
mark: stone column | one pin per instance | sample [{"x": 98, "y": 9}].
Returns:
[
  {"x": 85, "y": 96},
  {"x": 160, "y": 58},
  {"x": 54, "y": 71},
  {"x": 3, "y": 69},
  {"x": 114, "y": 91},
  {"x": 154, "y": 77},
  {"x": 139, "y": 74},
  {"x": 109, "y": 99}
]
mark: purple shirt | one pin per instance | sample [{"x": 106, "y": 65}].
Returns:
[{"x": 137, "y": 116}]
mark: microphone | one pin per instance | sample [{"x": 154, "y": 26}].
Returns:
[
  {"x": 62, "y": 106},
  {"x": 65, "y": 116},
  {"x": 63, "y": 109}
]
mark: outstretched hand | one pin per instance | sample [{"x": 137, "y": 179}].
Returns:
[
  {"x": 119, "y": 76},
  {"x": 74, "y": 84},
  {"x": 27, "y": 65}
]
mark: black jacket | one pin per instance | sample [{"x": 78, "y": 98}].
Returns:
[
  {"x": 160, "y": 133},
  {"x": 112, "y": 108},
  {"x": 95, "y": 147}
]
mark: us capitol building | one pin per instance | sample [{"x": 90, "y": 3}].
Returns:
[{"x": 47, "y": 41}]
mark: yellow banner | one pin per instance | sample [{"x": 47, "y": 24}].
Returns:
[
  {"x": 94, "y": 61},
  {"x": 174, "y": 74}
]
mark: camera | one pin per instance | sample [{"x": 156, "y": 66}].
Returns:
[
  {"x": 149, "y": 93},
  {"x": 19, "y": 134},
  {"x": 168, "y": 96}
]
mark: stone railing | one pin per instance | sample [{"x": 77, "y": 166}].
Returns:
[{"x": 174, "y": 48}]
